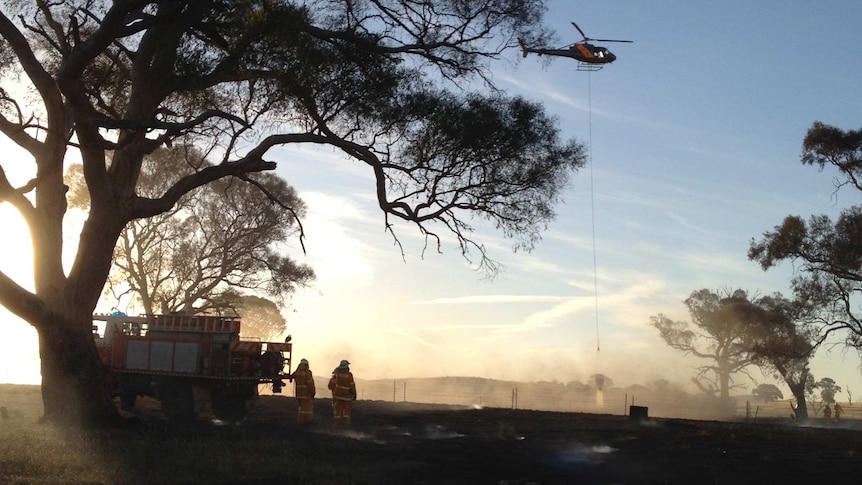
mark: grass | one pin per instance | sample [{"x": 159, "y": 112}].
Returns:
[
  {"x": 35, "y": 453},
  {"x": 409, "y": 443},
  {"x": 151, "y": 451}
]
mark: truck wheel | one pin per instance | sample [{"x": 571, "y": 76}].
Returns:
[
  {"x": 127, "y": 401},
  {"x": 178, "y": 402}
]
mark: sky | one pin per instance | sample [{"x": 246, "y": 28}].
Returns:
[{"x": 695, "y": 135}]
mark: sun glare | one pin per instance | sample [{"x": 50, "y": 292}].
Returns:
[{"x": 19, "y": 347}]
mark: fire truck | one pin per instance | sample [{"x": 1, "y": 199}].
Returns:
[{"x": 187, "y": 362}]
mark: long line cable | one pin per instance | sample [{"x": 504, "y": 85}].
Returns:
[{"x": 593, "y": 213}]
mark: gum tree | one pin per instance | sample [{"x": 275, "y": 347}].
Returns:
[
  {"x": 731, "y": 331},
  {"x": 781, "y": 339},
  {"x": 217, "y": 242},
  {"x": 826, "y": 254},
  {"x": 716, "y": 336},
  {"x": 261, "y": 318},
  {"x": 767, "y": 392},
  {"x": 381, "y": 81}
]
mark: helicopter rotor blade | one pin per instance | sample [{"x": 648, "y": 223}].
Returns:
[
  {"x": 611, "y": 40},
  {"x": 581, "y": 31}
]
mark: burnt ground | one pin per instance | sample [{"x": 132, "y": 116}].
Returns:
[
  {"x": 418, "y": 443},
  {"x": 407, "y": 443}
]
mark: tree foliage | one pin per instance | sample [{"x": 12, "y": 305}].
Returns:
[
  {"x": 827, "y": 255},
  {"x": 579, "y": 388},
  {"x": 733, "y": 331},
  {"x": 828, "y": 389},
  {"x": 767, "y": 393},
  {"x": 716, "y": 334},
  {"x": 216, "y": 242},
  {"x": 261, "y": 318},
  {"x": 380, "y": 81},
  {"x": 781, "y": 341},
  {"x": 814, "y": 405}
]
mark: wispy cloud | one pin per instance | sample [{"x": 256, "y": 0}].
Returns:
[
  {"x": 553, "y": 96},
  {"x": 467, "y": 326},
  {"x": 472, "y": 299},
  {"x": 622, "y": 305},
  {"x": 403, "y": 333},
  {"x": 546, "y": 91}
]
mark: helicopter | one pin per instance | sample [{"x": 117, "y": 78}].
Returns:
[{"x": 590, "y": 57}]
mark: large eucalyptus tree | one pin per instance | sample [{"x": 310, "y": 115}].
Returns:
[{"x": 383, "y": 81}]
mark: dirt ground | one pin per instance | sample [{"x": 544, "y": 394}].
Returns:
[
  {"x": 443, "y": 444},
  {"x": 454, "y": 445},
  {"x": 437, "y": 444}
]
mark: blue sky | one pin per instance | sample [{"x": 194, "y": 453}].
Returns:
[{"x": 696, "y": 134}]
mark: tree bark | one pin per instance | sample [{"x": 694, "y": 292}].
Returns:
[
  {"x": 73, "y": 380},
  {"x": 798, "y": 391},
  {"x": 724, "y": 385}
]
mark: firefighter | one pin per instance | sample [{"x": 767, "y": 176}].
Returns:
[
  {"x": 827, "y": 412},
  {"x": 343, "y": 393},
  {"x": 304, "y": 391},
  {"x": 838, "y": 411}
]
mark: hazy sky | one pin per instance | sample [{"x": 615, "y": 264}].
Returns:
[{"x": 696, "y": 133}]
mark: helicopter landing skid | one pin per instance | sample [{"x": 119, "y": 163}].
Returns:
[{"x": 585, "y": 66}]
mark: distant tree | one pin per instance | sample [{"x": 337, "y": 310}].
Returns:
[
  {"x": 828, "y": 389},
  {"x": 638, "y": 389},
  {"x": 716, "y": 335},
  {"x": 668, "y": 390},
  {"x": 849, "y": 396},
  {"x": 578, "y": 387},
  {"x": 780, "y": 339},
  {"x": 767, "y": 392},
  {"x": 260, "y": 318},
  {"x": 661, "y": 385},
  {"x": 216, "y": 239},
  {"x": 827, "y": 257},
  {"x": 551, "y": 383},
  {"x": 814, "y": 404}
]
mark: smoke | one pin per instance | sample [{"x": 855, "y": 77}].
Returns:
[{"x": 577, "y": 453}]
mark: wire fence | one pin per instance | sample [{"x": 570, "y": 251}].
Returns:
[{"x": 478, "y": 392}]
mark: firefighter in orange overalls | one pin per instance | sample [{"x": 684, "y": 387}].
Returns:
[
  {"x": 304, "y": 392},
  {"x": 343, "y": 393}
]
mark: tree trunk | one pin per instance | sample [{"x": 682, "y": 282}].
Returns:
[
  {"x": 74, "y": 389},
  {"x": 798, "y": 391},
  {"x": 724, "y": 385}
]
